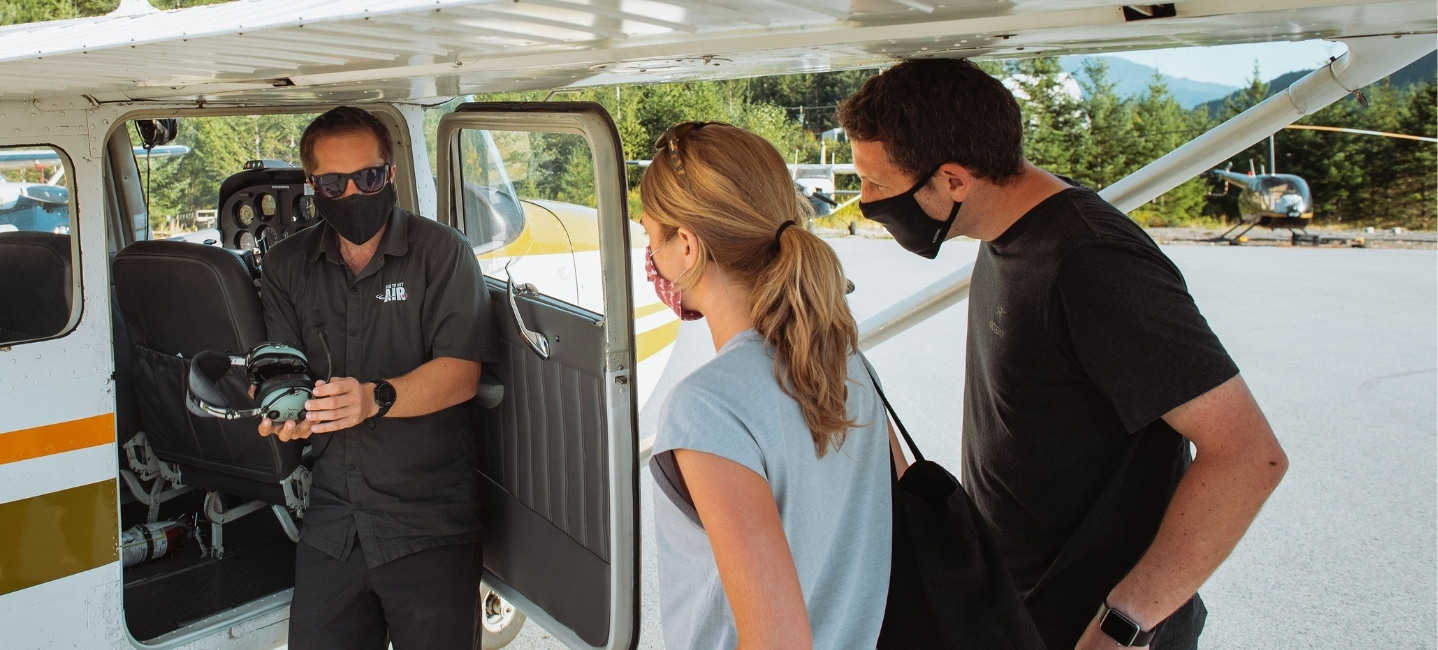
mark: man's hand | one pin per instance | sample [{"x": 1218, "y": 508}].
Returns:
[
  {"x": 339, "y": 404},
  {"x": 290, "y": 430}
]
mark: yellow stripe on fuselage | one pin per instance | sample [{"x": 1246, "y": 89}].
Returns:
[
  {"x": 54, "y": 535},
  {"x": 61, "y": 437},
  {"x": 641, "y": 312},
  {"x": 646, "y": 344}
]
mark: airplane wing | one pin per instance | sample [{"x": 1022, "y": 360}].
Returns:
[
  {"x": 46, "y": 157},
  {"x": 415, "y": 50}
]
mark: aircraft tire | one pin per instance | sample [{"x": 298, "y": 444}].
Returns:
[{"x": 499, "y": 620}]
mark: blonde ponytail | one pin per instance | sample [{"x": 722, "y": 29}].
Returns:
[
  {"x": 735, "y": 194},
  {"x": 800, "y": 309}
]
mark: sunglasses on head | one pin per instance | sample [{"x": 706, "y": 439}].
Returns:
[
  {"x": 670, "y": 142},
  {"x": 368, "y": 181}
]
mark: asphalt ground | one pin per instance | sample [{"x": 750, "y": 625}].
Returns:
[{"x": 1340, "y": 346}]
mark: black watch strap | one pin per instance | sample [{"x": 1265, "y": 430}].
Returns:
[
  {"x": 384, "y": 396},
  {"x": 1121, "y": 628}
]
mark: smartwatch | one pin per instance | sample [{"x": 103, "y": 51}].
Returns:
[
  {"x": 384, "y": 396},
  {"x": 1121, "y": 629}
]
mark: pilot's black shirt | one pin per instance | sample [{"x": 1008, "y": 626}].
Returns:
[
  {"x": 1081, "y": 336},
  {"x": 404, "y": 484}
]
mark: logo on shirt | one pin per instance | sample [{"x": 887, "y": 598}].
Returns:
[
  {"x": 994, "y": 325},
  {"x": 394, "y": 291}
]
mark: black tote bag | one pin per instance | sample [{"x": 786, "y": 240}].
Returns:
[{"x": 948, "y": 584}]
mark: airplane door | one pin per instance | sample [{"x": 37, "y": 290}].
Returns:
[{"x": 539, "y": 191}]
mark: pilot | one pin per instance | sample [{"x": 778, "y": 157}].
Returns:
[
  {"x": 389, "y": 548},
  {"x": 1089, "y": 368}
]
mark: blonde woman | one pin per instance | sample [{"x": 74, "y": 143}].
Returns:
[{"x": 773, "y": 513}]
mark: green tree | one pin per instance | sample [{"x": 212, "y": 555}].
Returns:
[
  {"x": 1162, "y": 125},
  {"x": 1109, "y": 120},
  {"x": 810, "y": 99},
  {"x": 219, "y": 147},
  {"x": 16, "y": 12},
  {"x": 1054, "y": 134},
  {"x": 1417, "y": 162}
]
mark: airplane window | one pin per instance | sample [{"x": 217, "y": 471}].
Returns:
[
  {"x": 528, "y": 206},
  {"x": 183, "y": 178},
  {"x": 37, "y": 266}
]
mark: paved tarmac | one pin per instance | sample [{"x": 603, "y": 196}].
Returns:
[{"x": 1340, "y": 346}]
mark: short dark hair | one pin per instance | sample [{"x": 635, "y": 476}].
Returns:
[
  {"x": 344, "y": 120},
  {"x": 932, "y": 111}
]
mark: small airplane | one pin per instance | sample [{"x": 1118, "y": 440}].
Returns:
[
  {"x": 45, "y": 206},
  {"x": 562, "y": 469},
  {"x": 1269, "y": 200}
]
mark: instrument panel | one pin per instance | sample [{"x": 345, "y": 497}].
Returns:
[{"x": 259, "y": 207}]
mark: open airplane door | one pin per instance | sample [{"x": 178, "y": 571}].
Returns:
[{"x": 539, "y": 190}]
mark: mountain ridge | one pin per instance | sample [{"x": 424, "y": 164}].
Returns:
[
  {"x": 1132, "y": 80},
  {"x": 1417, "y": 72}
]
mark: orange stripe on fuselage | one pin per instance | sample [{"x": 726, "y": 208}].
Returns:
[{"x": 57, "y": 438}]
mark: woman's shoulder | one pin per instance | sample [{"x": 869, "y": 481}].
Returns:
[{"x": 735, "y": 376}]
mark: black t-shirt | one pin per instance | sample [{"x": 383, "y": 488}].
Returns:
[
  {"x": 1081, "y": 336},
  {"x": 407, "y": 484}
]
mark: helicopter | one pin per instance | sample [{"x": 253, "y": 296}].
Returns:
[{"x": 1263, "y": 199}]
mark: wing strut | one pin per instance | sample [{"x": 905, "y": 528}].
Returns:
[{"x": 1368, "y": 59}]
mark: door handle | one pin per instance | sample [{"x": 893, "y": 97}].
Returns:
[{"x": 537, "y": 342}]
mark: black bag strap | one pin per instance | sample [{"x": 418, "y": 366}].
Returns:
[{"x": 918, "y": 456}]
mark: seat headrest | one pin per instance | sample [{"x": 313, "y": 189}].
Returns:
[
  {"x": 180, "y": 298},
  {"x": 35, "y": 283}
]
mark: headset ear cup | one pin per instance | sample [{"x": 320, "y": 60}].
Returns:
[{"x": 283, "y": 398}]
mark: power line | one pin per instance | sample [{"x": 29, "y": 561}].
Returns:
[{"x": 1361, "y": 132}]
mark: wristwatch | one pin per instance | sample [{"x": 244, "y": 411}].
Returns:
[
  {"x": 384, "y": 396},
  {"x": 1122, "y": 629}
]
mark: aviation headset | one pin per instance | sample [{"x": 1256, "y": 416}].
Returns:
[
  {"x": 154, "y": 133},
  {"x": 279, "y": 373}
]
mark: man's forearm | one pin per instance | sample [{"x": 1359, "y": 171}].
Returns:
[
  {"x": 436, "y": 385},
  {"x": 1238, "y": 463},
  {"x": 1211, "y": 509}
]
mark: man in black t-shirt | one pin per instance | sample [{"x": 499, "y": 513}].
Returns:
[
  {"x": 391, "y": 310},
  {"x": 1089, "y": 369}
]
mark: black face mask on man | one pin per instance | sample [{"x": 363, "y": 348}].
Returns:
[
  {"x": 906, "y": 220},
  {"x": 357, "y": 217}
]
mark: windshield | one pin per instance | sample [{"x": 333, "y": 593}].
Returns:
[{"x": 492, "y": 213}]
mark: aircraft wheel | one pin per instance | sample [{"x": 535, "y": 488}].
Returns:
[{"x": 499, "y": 621}]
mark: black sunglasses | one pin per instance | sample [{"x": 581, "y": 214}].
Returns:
[
  {"x": 670, "y": 142},
  {"x": 368, "y": 181}
]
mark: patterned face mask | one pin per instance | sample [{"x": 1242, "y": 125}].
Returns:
[{"x": 668, "y": 293}]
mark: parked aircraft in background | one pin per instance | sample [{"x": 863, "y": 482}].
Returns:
[
  {"x": 46, "y": 206},
  {"x": 1269, "y": 200}
]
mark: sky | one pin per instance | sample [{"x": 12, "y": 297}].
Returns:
[{"x": 1232, "y": 65}]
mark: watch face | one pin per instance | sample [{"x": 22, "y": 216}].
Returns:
[
  {"x": 384, "y": 394},
  {"x": 1119, "y": 628}
]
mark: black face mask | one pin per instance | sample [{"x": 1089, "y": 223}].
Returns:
[
  {"x": 906, "y": 220},
  {"x": 357, "y": 217}
]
